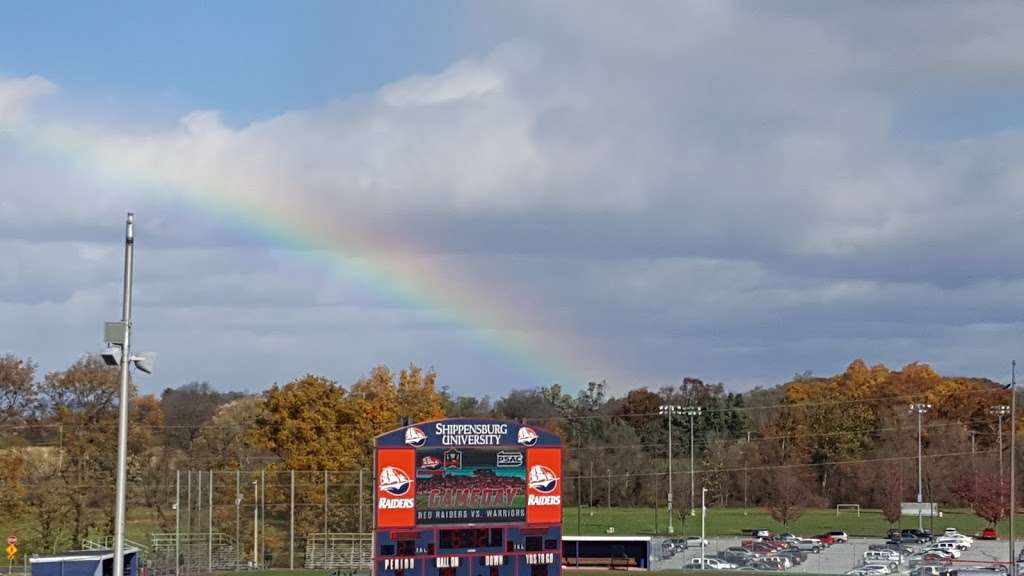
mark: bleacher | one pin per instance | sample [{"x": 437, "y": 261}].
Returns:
[
  {"x": 200, "y": 552},
  {"x": 339, "y": 550}
]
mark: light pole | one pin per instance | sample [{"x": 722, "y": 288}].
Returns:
[
  {"x": 1013, "y": 460},
  {"x": 1000, "y": 411},
  {"x": 920, "y": 409},
  {"x": 119, "y": 353},
  {"x": 255, "y": 524},
  {"x": 669, "y": 411},
  {"x": 703, "y": 515},
  {"x": 692, "y": 412}
]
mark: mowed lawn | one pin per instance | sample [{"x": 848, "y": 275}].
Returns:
[{"x": 735, "y": 521}]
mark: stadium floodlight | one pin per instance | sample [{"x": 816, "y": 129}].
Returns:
[
  {"x": 112, "y": 356},
  {"x": 920, "y": 409},
  {"x": 145, "y": 361},
  {"x": 669, "y": 410}
]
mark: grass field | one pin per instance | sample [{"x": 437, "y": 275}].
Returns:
[{"x": 735, "y": 521}]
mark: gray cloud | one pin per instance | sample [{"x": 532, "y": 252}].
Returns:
[{"x": 733, "y": 190}]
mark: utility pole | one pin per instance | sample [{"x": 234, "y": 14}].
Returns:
[
  {"x": 692, "y": 412},
  {"x": 669, "y": 411},
  {"x": 122, "y": 416},
  {"x": 920, "y": 409}
]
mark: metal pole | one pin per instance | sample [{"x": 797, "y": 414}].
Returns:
[
  {"x": 122, "y": 416},
  {"x": 920, "y": 409},
  {"x": 291, "y": 525},
  {"x": 255, "y": 524},
  {"x": 263, "y": 516},
  {"x": 188, "y": 521},
  {"x": 177, "y": 520},
  {"x": 325, "y": 507},
  {"x": 1000, "y": 453},
  {"x": 209, "y": 528},
  {"x": 238, "y": 519},
  {"x": 360, "y": 500},
  {"x": 1013, "y": 461},
  {"x": 692, "y": 511},
  {"x": 746, "y": 472},
  {"x": 920, "y": 523},
  {"x": 609, "y": 487},
  {"x": 703, "y": 515},
  {"x": 671, "y": 527}
]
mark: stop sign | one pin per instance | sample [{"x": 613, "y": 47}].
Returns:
[{"x": 12, "y": 540}]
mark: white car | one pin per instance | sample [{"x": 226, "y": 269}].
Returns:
[
  {"x": 695, "y": 542},
  {"x": 881, "y": 556},
  {"x": 870, "y": 570},
  {"x": 709, "y": 563},
  {"x": 953, "y": 533},
  {"x": 947, "y": 547},
  {"x": 839, "y": 536},
  {"x": 963, "y": 542}
]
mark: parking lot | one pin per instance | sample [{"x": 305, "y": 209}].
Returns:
[{"x": 839, "y": 558}]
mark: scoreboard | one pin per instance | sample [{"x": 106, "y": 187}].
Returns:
[{"x": 468, "y": 497}]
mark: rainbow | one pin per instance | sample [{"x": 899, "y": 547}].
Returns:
[{"x": 518, "y": 334}]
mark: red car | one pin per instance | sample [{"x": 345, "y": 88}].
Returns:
[
  {"x": 827, "y": 540},
  {"x": 988, "y": 534}
]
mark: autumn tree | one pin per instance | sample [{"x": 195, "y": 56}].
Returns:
[
  {"x": 188, "y": 408},
  {"x": 787, "y": 498},
  {"x": 18, "y": 392},
  {"x": 986, "y": 494},
  {"x": 12, "y": 488},
  {"x": 889, "y": 493}
]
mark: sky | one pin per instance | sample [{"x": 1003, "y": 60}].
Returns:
[{"x": 515, "y": 194}]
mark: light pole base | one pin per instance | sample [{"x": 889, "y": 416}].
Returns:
[{"x": 671, "y": 529}]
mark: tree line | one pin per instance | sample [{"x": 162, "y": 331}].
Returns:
[{"x": 811, "y": 441}]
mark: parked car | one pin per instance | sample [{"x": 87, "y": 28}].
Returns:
[
  {"x": 962, "y": 542},
  {"x": 947, "y": 547},
  {"x": 700, "y": 563},
  {"x": 794, "y": 554},
  {"x": 928, "y": 570},
  {"x": 807, "y": 546},
  {"x": 988, "y": 534},
  {"x": 923, "y": 535},
  {"x": 871, "y": 570},
  {"x": 826, "y": 539},
  {"x": 881, "y": 556},
  {"x": 839, "y": 536}
]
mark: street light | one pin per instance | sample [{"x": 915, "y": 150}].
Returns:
[
  {"x": 119, "y": 353},
  {"x": 920, "y": 409},
  {"x": 669, "y": 410},
  {"x": 1000, "y": 411}
]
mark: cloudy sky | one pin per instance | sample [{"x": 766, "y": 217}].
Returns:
[{"x": 516, "y": 193}]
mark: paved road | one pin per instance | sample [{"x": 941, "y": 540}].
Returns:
[{"x": 839, "y": 558}]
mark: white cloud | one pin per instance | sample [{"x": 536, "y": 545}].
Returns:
[{"x": 650, "y": 172}]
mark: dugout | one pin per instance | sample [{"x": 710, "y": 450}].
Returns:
[
  {"x": 612, "y": 552},
  {"x": 84, "y": 563}
]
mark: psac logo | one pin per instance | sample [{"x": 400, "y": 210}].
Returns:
[
  {"x": 543, "y": 480},
  {"x": 415, "y": 437},
  {"x": 394, "y": 482},
  {"x": 526, "y": 436}
]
